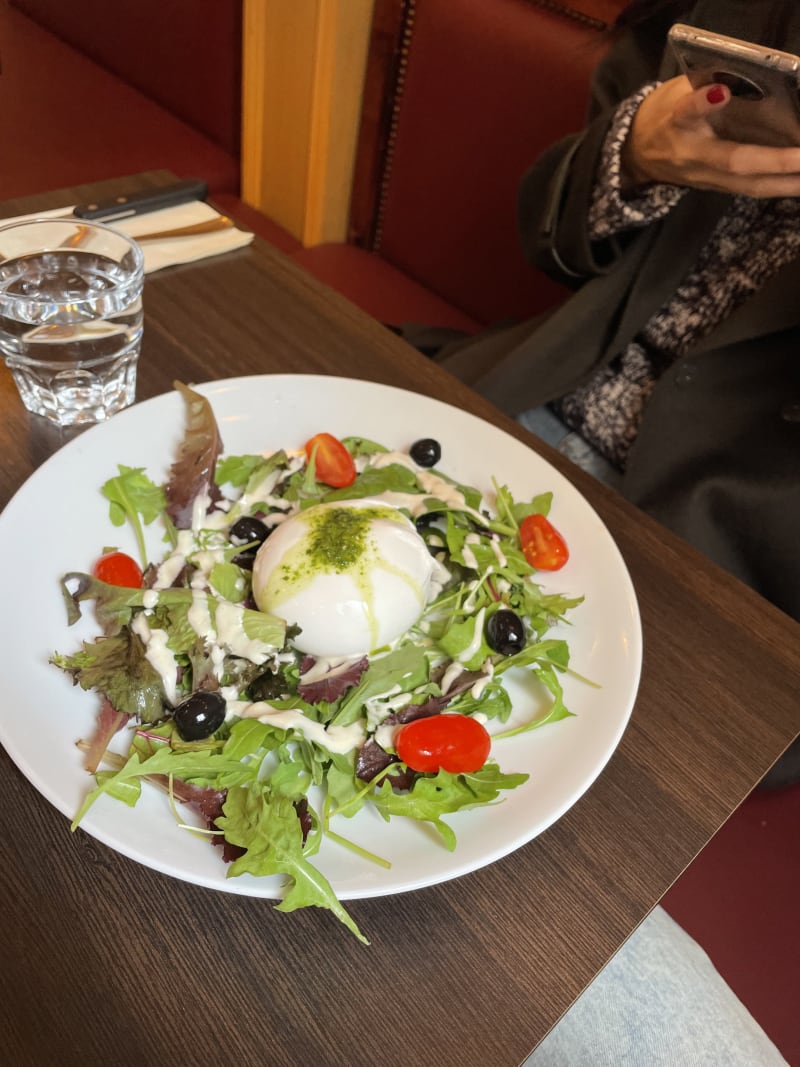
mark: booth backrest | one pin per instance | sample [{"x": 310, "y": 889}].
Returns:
[
  {"x": 472, "y": 92},
  {"x": 184, "y": 54}
]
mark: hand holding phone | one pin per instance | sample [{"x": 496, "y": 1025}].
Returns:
[
  {"x": 764, "y": 84},
  {"x": 671, "y": 141}
]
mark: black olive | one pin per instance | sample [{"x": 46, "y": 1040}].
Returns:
[
  {"x": 248, "y": 529},
  {"x": 505, "y": 632},
  {"x": 244, "y": 532},
  {"x": 199, "y": 715},
  {"x": 426, "y": 519},
  {"x": 426, "y": 452}
]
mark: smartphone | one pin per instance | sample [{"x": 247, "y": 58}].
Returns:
[{"x": 764, "y": 83}]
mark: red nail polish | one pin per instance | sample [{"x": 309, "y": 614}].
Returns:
[{"x": 715, "y": 95}]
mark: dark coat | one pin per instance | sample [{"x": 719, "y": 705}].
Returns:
[{"x": 717, "y": 458}]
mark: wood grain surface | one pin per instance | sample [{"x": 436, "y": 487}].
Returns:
[{"x": 106, "y": 961}]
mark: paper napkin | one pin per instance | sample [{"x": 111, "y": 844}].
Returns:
[
  {"x": 165, "y": 252},
  {"x": 168, "y": 251}
]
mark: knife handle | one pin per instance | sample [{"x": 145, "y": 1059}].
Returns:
[{"x": 123, "y": 207}]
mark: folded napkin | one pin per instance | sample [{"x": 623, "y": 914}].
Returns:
[
  {"x": 167, "y": 251},
  {"x": 164, "y": 252}
]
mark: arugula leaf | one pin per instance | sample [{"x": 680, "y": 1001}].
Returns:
[
  {"x": 433, "y": 796},
  {"x": 512, "y": 512},
  {"x": 405, "y": 667},
  {"x": 236, "y": 470},
  {"x": 346, "y": 793},
  {"x": 494, "y": 702},
  {"x": 135, "y": 498},
  {"x": 545, "y": 659},
  {"x": 377, "y": 480},
  {"x": 199, "y": 767},
  {"x": 553, "y": 652},
  {"x": 459, "y": 637},
  {"x": 360, "y": 446},
  {"x": 229, "y": 581},
  {"x": 248, "y": 471},
  {"x": 267, "y": 827},
  {"x": 249, "y": 736}
]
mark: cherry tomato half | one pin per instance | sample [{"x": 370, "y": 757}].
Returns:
[
  {"x": 115, "y": 568},
  {"x": 453, "y": 743},
  {"x": 542, "y": 544},
  {"x": 333, "y": 464}
]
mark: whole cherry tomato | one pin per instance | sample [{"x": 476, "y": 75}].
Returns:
[
  {"x": 115, "y": 568},
  {"x": 453, "y": 743},
  {"x": 543, "y": 546},
  {"x": 333, "y": 464}
]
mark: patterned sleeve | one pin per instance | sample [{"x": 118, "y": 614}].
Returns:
[{"x": 610, "y": 212}]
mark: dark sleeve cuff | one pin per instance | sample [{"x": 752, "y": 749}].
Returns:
[{"x": 553, "y": 209}]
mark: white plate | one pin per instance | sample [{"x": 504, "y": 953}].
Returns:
[{"x": 58, "y": 522}]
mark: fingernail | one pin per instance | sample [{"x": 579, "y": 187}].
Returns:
[{"x": 715, "y": 95}]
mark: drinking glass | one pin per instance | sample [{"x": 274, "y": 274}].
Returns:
[{"x": 71, "y": 317}]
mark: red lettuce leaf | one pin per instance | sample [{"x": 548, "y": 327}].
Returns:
[
  {"x": 109, "y": 721},
  {"x": 192, "y": 473},
  {"x": 332, "y": 685}
]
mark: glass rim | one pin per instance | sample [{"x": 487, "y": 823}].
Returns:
[{"x": 91, "y": 224}]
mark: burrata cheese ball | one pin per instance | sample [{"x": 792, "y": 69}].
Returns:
[{"x": 353, "y": 575}]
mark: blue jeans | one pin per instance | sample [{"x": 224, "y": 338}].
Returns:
[
  {"x": 660, "y": 1002},
  {"x": 549, "y": 427}
]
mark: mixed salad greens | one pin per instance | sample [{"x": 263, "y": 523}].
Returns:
[{"x": 230, "y": 718}]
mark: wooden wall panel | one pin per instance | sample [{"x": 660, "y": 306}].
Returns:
[{"x": 303, "y": 74}]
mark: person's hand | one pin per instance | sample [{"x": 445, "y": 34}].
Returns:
[{"x": 672, "y": 141}]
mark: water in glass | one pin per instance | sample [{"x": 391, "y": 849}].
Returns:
[{"x": 70, "y": 331}]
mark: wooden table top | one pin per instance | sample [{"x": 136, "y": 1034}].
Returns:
[{"x": 106, "y": 961}]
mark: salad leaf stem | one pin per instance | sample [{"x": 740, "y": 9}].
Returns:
[{"x": 357, "y": 849}]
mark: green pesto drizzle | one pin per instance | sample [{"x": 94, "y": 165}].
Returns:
[
  {"x": 337, "y": 538},
  {"x": 337, "y": 541}
]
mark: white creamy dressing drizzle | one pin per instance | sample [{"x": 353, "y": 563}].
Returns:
[
  {"x": 456, "y": 669},
  {"x": 158, "y": 655},
  {"x": 467, "y": 553},
  {"x": 231, "y": 633},
  {"x": 378, "y": 707},
  {"x": 431, "y": 484},
  {"x": 385, "y": 736},
  {"x": 217, "y": 519},
  {"x": 476, "y": 692},
  {"x": 472, "y": 589},
  {"x": 450, "y": 675},
  {"x": 336, "y": 739},
  {"x": 466, "y": 654},
  {"x": 327, "y": 668},
  {"x": 199, "y": 614},
  {"x": 169, "y": 570},
  {"x": 225, "y": 634},
  {"x": 207, "y": 558},
  {"x": 498, "y": 552},
  {"x": 217, "y": 657},
  {"x": 440, "y": 576},
  {"x": 263, "y": 491}
]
